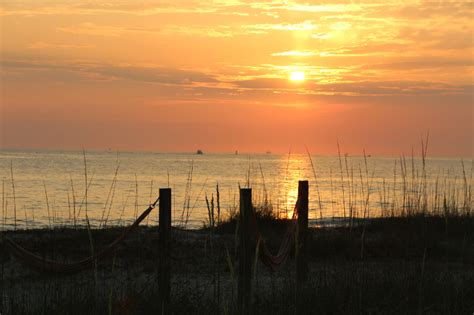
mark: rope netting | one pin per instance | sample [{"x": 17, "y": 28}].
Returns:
[
  {"x": 275, "y": 262},
  {"x": 42, "y": 264}
]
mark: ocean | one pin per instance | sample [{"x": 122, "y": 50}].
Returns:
[{"x": 48, "y": 187}]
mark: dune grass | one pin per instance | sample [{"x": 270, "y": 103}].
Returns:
[{"x": 414, "y": 254}]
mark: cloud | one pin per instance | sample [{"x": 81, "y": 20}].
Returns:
[
  {"x": 367, "y": 49},
  {"x": 104, "y": 30},
  {"x": 274, "y": 84},
  {"x": 424, "y": 63},
  {"x": 199, "y": 30},
  {"x": 357, "y": 88},
  {"x": 323, "y": 8},
  {"x": 90, "y": 71},
  {"x": 303, "y": 26},
  {"x": 321, "y": 36},
  {"x": 160, "y": 75},
  {"x": 169, "y": 29},
  {"x": 43, "y": 45},
  {"x": 428, "y": 10},
  {"x": 393, "y": 88},
  {"x": 295, "y": 53},
  {"x": 334, "y": 42},
  {"x": 78, "y": 8}
]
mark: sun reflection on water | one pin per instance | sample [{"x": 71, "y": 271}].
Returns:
[
  {"x": 334, "y": 193},
  {"x": 293, "y": 168}
]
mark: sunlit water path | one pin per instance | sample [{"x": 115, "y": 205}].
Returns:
[{"x": 49, "y": 186}]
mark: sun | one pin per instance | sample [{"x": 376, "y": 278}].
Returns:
[{"x": 297, "y": 76}]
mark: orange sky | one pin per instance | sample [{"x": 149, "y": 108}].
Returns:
[{"x": 182, "y": 75}]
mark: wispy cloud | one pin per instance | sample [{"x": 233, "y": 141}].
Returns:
[
  {"x": 347, "y": 41},
  {"x": 144, "y": 9},
  {"x": 321, "y": 36},
  {"x": 303, "y": 26},
  {"x": 88, "y": 28},
  {"x": 101, "y": 71},
  {"x": 168, "y": 29},
  {"x": 295, "y": 53},
  {"x": 44, "y": 45}
]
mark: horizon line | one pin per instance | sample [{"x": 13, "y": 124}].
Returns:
[{"x": 235, "y": 152}]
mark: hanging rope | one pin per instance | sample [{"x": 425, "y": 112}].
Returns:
[
  {"x": 42, "y": 264},
  {"x": 275, "y": 262}
]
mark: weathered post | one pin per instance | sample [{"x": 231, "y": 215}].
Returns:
[
  {"x": 164, "y": 232},
  {"x": 244, "y": 292},
  {"x": 301, "y": 259}
]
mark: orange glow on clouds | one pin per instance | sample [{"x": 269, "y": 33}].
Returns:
[{"x": 256, "y": 76}]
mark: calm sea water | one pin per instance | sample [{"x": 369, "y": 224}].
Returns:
[{"x": 49, "y": 186}]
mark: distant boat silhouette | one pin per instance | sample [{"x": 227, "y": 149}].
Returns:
[{"x": 199, "y": 152}]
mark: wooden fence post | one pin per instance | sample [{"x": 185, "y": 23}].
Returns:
[
  {"x": 301, "y": 259},
  {"x": 164, "y": 249},
  {"x": 245, "y": 254}
]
